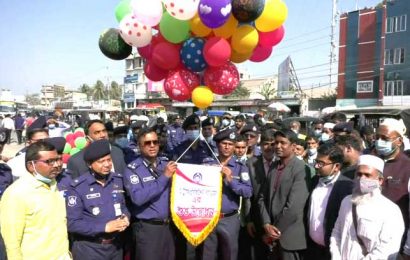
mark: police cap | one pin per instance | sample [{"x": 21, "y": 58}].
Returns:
[
  {"x": 138, "y": 124},
  {"x": 251, "y": 127},
  {"x": 57, "y": 142},
  {"x": 343, "y": 127},
  {"x": 97, "y": 150},
  {"x": 226, "y": 134},
  {"x": 121, "y": 130},
  {"x": 208, "y": 121},
  {"x": 190, "y": 120},
  {"x": 39, "y": 123}
]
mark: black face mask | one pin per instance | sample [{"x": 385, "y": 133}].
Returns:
[{"x": 99, "y": 177}]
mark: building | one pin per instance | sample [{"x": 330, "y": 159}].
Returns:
[
  {"x": 51, "y": 93},
  {"x": 373, "y": 44}
]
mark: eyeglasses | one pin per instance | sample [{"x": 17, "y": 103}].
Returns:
[
  {"x": 52, "y": 161},
  {"x": 319, "y": 164},
  {"x": 151, "y": 142}
]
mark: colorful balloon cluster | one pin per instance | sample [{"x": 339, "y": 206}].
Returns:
[
  {"x": 75, "y": 142},
  {"x": 196, "y": 42}
]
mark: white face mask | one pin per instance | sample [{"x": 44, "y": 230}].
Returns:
[
  {"x": 40, "y": 177},
  {"x": 367, "y": 185},
  {"x": 225, "y": 122},
  {"x": 325, "y": 137},
  {"x": 312, "y": 151},
  {"x": 192, "y": 134},
  {"x": 300, "y": 157}
]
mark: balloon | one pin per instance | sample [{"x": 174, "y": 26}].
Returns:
[
  {"x": 247, "y": 11},
  {"x": 165, "y": 55},
  {"x": 153, "y": 72},
  {"x": 273, "y": 16},
  {"x": 222, "y": 80},
  {"x": 214, "y": 13},
  {"x": 269, "y": 39},
  {"x": 70, "y": 137},
  {"x": 181, "y": 9},
  {"x": 134, "y": 32},
  {"x": 173, "y": 30},
  {"x": 217, "y": 51},
  {"x": 122, "y": 9},
  {"x": 192, "y": 54},
  {"x": 147, "y": 12},
  {"x": 66, "y": 133},
  {"x": 79, "y": 129},
  {"x": 113, "y": 46},
  {"x": 244, "y": 39},
  {"x": 202, "y": 97},
  {"x": 65, "y": 158},
  {"x": 146, "y": 51},
  {"x": 198, "y": 28},
  {"x": 237, "y": 57},
  {"x": 67, "y": 148},
  {"x": 179, "y": 84},
  {"x": 74, "y": 151},
  {"x": 226, "y": 30},
  {"x": 80, "y": 143},
  {"x": 260, "y": 53}
]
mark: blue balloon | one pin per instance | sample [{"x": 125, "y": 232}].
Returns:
[{"x": 192, "y": 55}]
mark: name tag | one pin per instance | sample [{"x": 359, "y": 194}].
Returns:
[
  {"x": 93, "y": 196},
  {"x": 150, "y": 178},
  {"x": 117, "y": 208}
]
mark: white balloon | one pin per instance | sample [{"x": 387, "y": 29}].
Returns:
[
  {"x": 148, "y": 12},
  {"x": 134, "y": 32},
  {"x": 181, "y": 9}
]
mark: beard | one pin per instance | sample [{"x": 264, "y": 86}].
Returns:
[{"x": 362, "y": 198}]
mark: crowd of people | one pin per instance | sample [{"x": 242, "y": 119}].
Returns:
[{"x": 329, "y": 192}]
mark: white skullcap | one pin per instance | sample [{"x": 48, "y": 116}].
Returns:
[
  {"x": 329, "y": 125},
  {"x": 371, "y": 161},
  {"x": 395, "y": 125}
]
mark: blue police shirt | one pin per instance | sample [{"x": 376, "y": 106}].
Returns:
[
  {"x": 239, "y": 186},
  {"x": 175, "y": 136},
  {"x": 148, "y": 189},
  {"x": 6, "y": 178},
  {"x": 90, "y": 205},
  {"x": 196, "y": 156},
  {"x": 63, "y": 183}
]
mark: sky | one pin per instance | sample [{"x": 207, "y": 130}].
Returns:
[{"x": 56, "y": 42}]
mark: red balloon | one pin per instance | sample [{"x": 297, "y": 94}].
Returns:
[
  {"x": 65, "y": 158},
  {"x": 222, "y": 80},
  {"x": 166, "y": 55},
  {"x": 269, "y": 39},
  {"x": 260, "y": 53},
  {"x": 217, "y": 51},
  {"x": 78, "y": 134},
  {"x": 146, "y": 51},
  {"x": 70, "y": 137},
  {"x": 153, "y": 72},
  {"x": 179, "y": 84}
]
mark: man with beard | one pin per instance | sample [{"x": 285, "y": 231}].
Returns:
[{"x": 369, "y": 225}]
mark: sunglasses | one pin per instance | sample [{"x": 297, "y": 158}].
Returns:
[
  {"x": 151, "y": 142},
  {"x": 52, "y": 161}
]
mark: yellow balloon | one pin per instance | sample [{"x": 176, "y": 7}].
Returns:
[
  {"x": 237, "y": 57},
  {"x": 244, "y": 39},
  {"x": 226, "y": 30},
  {"x": 273, "y": 16},
  {"x": 202, "y": 97},
  {"x": 198, "y": 28}
]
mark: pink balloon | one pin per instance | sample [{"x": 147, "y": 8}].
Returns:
[
  {"x": 166, "y": 55},
  {"x": 153, "y": 72},
  {"x": 217, "y": 51},
  {"x": 269, "y": 39},
  {"x": 179, "y": 84},
  {"x": 260, "y": 53},
  {"x": 222, "y": 80}
]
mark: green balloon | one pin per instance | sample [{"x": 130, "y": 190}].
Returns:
[
  {"x": 122, "y": 9},
  {"x": 172, "y": 29},
  {"x": 67, "y": 148},
  {"x": 80, "y": 142},
  {"x": 113, "y": 46},
  {"x": 79, "y": 129},
  {"x": 74, "y": 151}
]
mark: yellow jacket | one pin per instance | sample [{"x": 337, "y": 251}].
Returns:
[{"x": 33, "y": 221}]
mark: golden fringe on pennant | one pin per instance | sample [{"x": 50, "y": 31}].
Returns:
[{"x": 195, "y": 241}]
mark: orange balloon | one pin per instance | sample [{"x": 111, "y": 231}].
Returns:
[
  {"x": 237, "y": 57},
  {"x": 226, "y": 30},
  {"x": 198, "y": 28}
]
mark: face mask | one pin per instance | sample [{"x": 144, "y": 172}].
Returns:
[
  {"x": 51, "y": 126},
  {"x": 40, "y": 177},
  {"x": 312, "y": 151},
  {"x": 317, "y": 133},
  {"x": 192, "y": 134},
  {"x": 384, "y": 148},
  {"x": 329, "y": 178},
  {"x": 367, "y": 185},
  {"x": 295, "y": 131},
  {"x": 122, "y": 142},
  {"x": 209, "y": 139},
  {"x": 300, "y": 157},
  {"x": 225, "y": 122},
  {"x": 325, "y": 137}
]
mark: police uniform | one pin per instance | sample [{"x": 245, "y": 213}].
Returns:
[
  {"x": 225, "y": 236},
  {"x": 207, "y": 122},
  {"x": 91, "y": 205},
  {"x": 149, "y": 191},
  {"x": 251, "y": 127},
  {"x": 175, "y": 135}
]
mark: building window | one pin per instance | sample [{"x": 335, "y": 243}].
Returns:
[
  {"x": 399, "y": 56},
  {"x": 388, "y": 56},
  {"x": 403, "y": 23},
  {"x": 396, "y": 24},
  {"x": 394, "y": 88}
]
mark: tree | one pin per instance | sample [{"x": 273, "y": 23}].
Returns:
[
  {"x": 239, "y": 93},
  {"x": 33, "y": 99},
  {"x": 267, "y": 90},
  {"x": 84, "y": 88},
  {"x": 115, "y": 91},
  {"x": 98, "y": 91}
]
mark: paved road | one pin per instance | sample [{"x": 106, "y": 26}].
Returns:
[{"x": 10, "y": 150}]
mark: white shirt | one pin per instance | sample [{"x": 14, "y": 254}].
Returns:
[
  {"x": 58, "y": 131},
  {"x": 18, "y": 166},
  {"x": 8, "y": 123},
  {"x": 380, "y": 225},
  {"x": 318, "y": 204}
]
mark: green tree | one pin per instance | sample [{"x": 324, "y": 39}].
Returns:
[
  {"x": 84, "y": 88},
  {"x": 239, "y": 93},
  {"x": 98, "y": 91},
  {"x": 115, "y": 91},
  {"x": 33, "y": 99},
  {"x": 267, "y": 91}
]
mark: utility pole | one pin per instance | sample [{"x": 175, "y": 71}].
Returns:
[{"x": 333, "y": 40}]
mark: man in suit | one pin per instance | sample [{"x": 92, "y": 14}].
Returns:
[
  {"x": 282, "y": 199},
  {"x": 329, "y": 189},
  {"x": 95, "y": 130},
  {"x": 250, "y": 239}
]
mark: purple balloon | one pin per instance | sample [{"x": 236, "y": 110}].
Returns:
[{"x": 214, "y": 13}]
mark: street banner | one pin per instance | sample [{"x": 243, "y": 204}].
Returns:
[{"x": 196, "y": 197}]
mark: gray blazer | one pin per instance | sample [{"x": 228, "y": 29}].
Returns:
[{"x": 284, "y": 207}]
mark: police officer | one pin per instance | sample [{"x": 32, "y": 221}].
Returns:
[
  {"x": 251, "y": 132},
  {"x": 147, "y": 181},
  {"x": 96, "y": 210},
  {"x": 135, "y": 127},
  {"x": 208, "y": 133},
  {"x": 175, "y": 133},
  {"x": 236, "y": 183}
]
